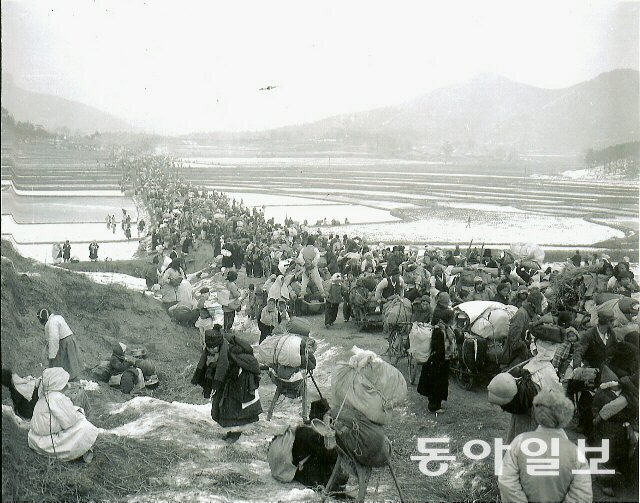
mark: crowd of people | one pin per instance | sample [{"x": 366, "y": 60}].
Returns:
[{"x": 592, "y": 366}]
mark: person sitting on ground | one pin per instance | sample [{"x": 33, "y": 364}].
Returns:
[
  {"x": 517, "y": 482},
  {"x": 172, "y": 276},
  {"x": 124, "y": 366},
  {"x": 23, "y": 391},
  {"x": 58, "y": 428},
  {"x": 185, "y": 311}
]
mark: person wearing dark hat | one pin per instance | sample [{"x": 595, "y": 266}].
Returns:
[
  {"x": 443, "y": 302},
  {"x": 594, "y": 347},
  {"x": 391, "y": 286},
  {"x": 61, "y": 348},
  {"x": 205, "y": 369},
  {"x": 422, "y": 312},
  {"x": 515, "y": 348}
]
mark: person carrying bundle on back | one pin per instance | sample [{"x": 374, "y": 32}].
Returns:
[
  {"x": 392, "y": 285},
  {"x": 309, "y": 257}
]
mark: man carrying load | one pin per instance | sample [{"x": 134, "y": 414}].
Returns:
[
  {"x": 392, "y": 285},
  {"x": 308, "y": 258}
]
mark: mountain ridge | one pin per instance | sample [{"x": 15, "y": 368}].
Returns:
[{"x": 56, "y": 113}]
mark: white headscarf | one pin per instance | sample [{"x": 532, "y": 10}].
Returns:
[{"x": 53, "y": 379}]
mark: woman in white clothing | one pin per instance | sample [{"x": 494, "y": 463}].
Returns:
[
  {"x": 62, "y": 350},
  {"x": 59, "y": 428}
]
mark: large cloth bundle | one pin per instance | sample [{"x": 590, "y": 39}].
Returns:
[
  {"x": 396, "y": 311},
  {"x": 488, "y": 319},
  {"x": 528, "y": 251},
  {"x": 297, "y": 326},
  {"x": 420, "y": 341},
  {"x": 613, "y": 307},
  {"x": 359, "y": 296},
  {"x": 368, "y": 384},
  {"x": 361, "y": 438},
  {"x": 280, "y": 349},
  {"x": 370, "y": 282}
]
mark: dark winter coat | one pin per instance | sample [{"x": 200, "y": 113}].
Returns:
[
  {"x": 434, "y": 379},
  {"x": 232, "y": 388}
]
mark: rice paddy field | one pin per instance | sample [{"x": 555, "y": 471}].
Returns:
[{"x": 51, "y": 193}]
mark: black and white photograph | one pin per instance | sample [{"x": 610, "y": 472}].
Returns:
[{"x": 298, "y": 251}]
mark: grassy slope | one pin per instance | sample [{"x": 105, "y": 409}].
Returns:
[{"x": 100, "y": 316}]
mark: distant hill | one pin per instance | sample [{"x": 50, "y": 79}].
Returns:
[
  {"x": 492, "y": 110},
  {"x": 55, "y": 113}
]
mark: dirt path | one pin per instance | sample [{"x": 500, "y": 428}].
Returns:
[{"x": 213, "y": 470}]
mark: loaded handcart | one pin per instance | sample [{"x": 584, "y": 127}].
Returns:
[{"x": 485, "y": 326}]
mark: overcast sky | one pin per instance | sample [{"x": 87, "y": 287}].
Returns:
[{"x": 182, "y": 66}]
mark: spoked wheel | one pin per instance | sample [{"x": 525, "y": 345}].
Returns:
[
  {"x": 394, "y": 351},
  {"x": 413, "y": 368},
  {"x": 465, "y": 379}
]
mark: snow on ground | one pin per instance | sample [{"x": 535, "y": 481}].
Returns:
[
  {"x": 191, "y": 426},
  {"x": 283, "y": 162},
  {"x": 115, "y": 278},
  {"x": 256, "y": 199},
  {"x": 598, "y": 173},
  {"x": 436, "y": 227},
  {"x": 121, "y": 250},
  {"x": 480, "y": 206}
]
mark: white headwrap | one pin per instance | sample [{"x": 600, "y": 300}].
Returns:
[{"x": 53, "y": 379}]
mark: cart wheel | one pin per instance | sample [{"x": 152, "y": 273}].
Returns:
[
  {"x": 413, "y": 369},
  {"x": 465, "y": 380}
]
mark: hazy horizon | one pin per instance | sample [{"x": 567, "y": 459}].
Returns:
[{"x": 200, "y": 67}]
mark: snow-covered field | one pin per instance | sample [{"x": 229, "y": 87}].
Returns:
[{"x": 511, "y": 227}]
